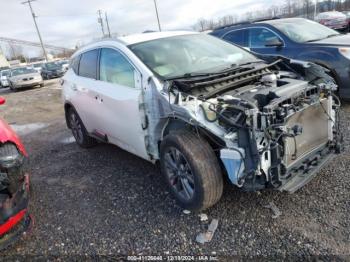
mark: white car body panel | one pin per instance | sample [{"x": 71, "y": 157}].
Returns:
[{"x": 98, "y": 103}]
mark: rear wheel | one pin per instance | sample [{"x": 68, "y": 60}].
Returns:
[
  {"x": 191, "y": 170},
  {"x": 79, "y": 131}
]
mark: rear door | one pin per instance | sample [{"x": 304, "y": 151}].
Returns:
[
  {"x": 238, "y": 37},
  {"x": 82, "y": 89},
  {"x": 119, "y": 96}
]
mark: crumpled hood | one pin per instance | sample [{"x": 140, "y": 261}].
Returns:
[
  {"x": 8, "y": 135},
  {"x": 341, "y": 40}
]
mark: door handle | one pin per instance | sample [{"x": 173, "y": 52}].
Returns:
[
  {"x": 98, "y": 98},
  {"x": 74, "y": 87}
]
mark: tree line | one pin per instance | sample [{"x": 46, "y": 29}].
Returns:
[{"x": 289, "y": 8}]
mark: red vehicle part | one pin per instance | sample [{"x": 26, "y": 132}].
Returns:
[
  {"x": 8, "y": 135},
  {"x": 14, "y": 187}
]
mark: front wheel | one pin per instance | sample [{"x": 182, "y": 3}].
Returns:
[{"x": 191, "y": 170}]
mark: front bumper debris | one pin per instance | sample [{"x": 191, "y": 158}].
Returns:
[{"x": 14, "y": 217}]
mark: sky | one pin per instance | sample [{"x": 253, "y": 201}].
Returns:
[{"x": 68, "y": 22}]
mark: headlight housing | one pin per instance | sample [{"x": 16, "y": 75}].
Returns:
[
  {"x": 345, "y": 52},
  {"x": 10, "y": 156}
]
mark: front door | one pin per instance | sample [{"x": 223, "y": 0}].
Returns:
[
  {"x": 119, "y": 96},
  {"x": 259, "y": 37}
]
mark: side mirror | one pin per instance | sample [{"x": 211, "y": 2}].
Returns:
[
  {"x": 2, "y": 100},
  {"x": 274, "y": 42}
]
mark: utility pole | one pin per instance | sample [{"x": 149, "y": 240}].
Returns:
[
  {"x": 155, "y": 6},
  {"x": 36, "y": 26},
  {"x": 100, "y": 21},
  {"x": 109, "y": 31},
  {"x": 315, "y": 11}
]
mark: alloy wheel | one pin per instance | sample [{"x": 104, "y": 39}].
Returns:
[{"x": 179, "y": 173}]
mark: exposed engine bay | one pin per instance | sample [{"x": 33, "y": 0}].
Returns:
[{"x": 272, "y": 125}]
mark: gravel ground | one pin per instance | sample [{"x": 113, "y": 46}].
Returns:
[{"x": 105, "y": 202}]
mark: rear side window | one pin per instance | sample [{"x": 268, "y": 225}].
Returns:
[
  {"x": 238, "y": 37},
  {"x": 74, "y": 64},
  {"x": 88, "y": 64}
]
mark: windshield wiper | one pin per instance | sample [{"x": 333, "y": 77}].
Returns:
[
  {"x": 319, "y": 39},
  {"x": 231, "y": 68},
  {"x": 251, "y": 62},
  {"x": 190, "y": 75}
]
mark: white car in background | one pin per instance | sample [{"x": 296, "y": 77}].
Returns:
[
  {"x": 4, "y": 74},
  {"x": 24, "y": 77},
  {"x": 204, "y": 109},
  {"x": 37, "y": 67},
  {"x": 64, "y": 64}
]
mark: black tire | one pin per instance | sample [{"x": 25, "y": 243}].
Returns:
[
  {"x": 79, "y": 131},
  {"x": 205, "y": 172}
]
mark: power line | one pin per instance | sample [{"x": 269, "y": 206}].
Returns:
[
  {"x": 36, "y": 26},
  {"x": 155, "y": 6},
  {"x": 66, "y": 15},
  {"x": 28, "y": 43}
]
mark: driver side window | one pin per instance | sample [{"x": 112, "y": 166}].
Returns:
[
  {"x": 115, "y": 68},
  {"x": 258, "y": 37}
]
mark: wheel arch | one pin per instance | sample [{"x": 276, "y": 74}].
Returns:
[
  {"x": 175, "y": 124},
  {"x": 67, "y": 107}
]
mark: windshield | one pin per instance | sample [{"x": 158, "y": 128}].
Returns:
[
  {"x": 303, "y": 30},
  {"x": 5, "y": 73},
  {"x": 189, "y": 54},
  {"x": 22, "y": 71},
  {"x": 52, "y": 65}
]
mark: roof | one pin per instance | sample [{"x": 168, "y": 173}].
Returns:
[
  {"x": 270, "y": 21},
  {"x": 138, "y": 38},
  {"x": 282, "y": 20}
]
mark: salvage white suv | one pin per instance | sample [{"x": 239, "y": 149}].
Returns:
[{"x": 206, "y": 110}]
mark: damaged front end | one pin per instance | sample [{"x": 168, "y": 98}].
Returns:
[
  {"x": 273, "y": 125},
  {"x": 14, "y": 188}
]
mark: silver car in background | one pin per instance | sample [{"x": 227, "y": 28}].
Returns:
[{"x": 24, "y": 77}]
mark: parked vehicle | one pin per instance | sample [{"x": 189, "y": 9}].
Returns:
[
  {"x": 38, "y": 67},
  {"x": 296, "y": 38},
  {"x": 4, "y": 74},
  {"x": 64, "y": 64},
  {"x": 195, "y": 104},
  {"x": 24, "y": 77},
  {"x": 14, "y": 186},
  {"x": 335, "y": 20},
  {"x": 347, "y": 13},
  {"x": 51, "y": 70}
]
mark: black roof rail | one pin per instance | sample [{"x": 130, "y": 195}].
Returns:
[
  {"x": 266, "y": 19},
  {"x": 234, "y": 24},
  {"x": 248, "y": 22}
]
